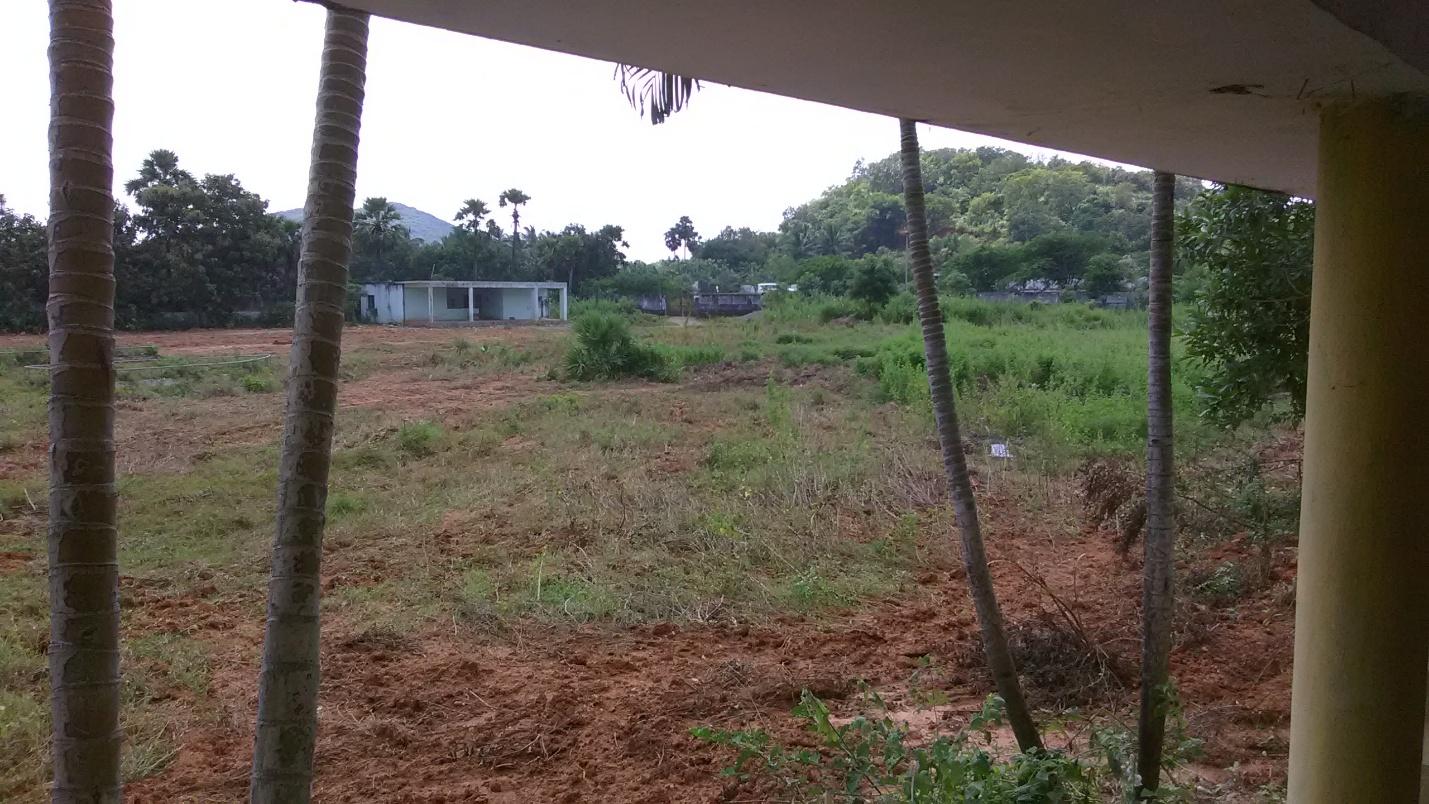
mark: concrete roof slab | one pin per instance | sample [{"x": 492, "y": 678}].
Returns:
[{"x": 1221, "y": 89}]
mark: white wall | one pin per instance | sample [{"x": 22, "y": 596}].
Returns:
[
  {"x": 444, "y": 313},
  {"x": 415, "y": 304},
  {"x": 387, "y": 298},
  {"x": 398, "y": 304},
  {"x": 516, "y": 303}
]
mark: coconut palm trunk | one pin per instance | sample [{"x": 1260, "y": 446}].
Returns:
[
  {"x": 83, "y": 567},
  {"x": 940, "y": 386},
  {"x": 288, "y": 681},
  {"x": 1157, "y": 597}
]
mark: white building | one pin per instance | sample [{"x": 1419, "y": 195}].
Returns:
[{"x": 443, "y": 302}]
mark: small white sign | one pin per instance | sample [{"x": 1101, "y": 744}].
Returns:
[{"x": 1001, "y": 451}]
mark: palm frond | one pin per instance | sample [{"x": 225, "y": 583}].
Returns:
[{"x": 660, "y": 94}]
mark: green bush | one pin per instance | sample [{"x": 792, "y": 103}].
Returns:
[
  {"x": 419, "y": 439},
  {"x": 604, "y": 349},
  {"x": 901, "y": 309},
  {"x": 258, "y": 383},
  {"x": 839, "y": 307}
]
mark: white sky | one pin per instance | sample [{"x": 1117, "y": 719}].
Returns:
[{"x": 229, "y": 85}]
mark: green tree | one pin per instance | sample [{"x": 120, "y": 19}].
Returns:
[
  {"x": 989, "y": 267},
  {"x": 940, "y": 386},
  {"x": 874, "y": 282},
  {"x": 830, "y": 274},
  {"x": 682, "y": 235},
  {"x": 514, "y": 198},
  {"x": 83, "y": 536},
  {"x": 287, "y": 721},
  {"x": 197, "y": 250},
  {"x": 24, "y": 280},
  {"x": 378, "y": 225},
  {"x": 576, "y": 256},
  {"x": 1157, "y": 602},
  {"x": 1249, "y": 326},
  {"x": 472, "y": 213},
  {"x": 743, "y": 250},
  {"x": 1059, "y": 257},
  {"x": 1104, "y": 275}
]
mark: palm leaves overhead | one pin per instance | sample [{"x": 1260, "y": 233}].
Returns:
[{"x": 655, "y": 93}]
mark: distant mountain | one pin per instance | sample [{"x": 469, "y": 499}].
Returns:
[{"x": 422, "y": 225}]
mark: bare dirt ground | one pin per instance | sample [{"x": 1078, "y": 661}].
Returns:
[
  {"x": 354, "y": 336},
  {"x": 601, "y": 713}
]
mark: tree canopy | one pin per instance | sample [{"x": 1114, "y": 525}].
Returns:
[{"x": 1247, "y": 257}]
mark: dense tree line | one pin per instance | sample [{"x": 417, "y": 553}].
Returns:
[
  {"x": 997, "y": 219},
  {"x": 202, "y": 252},
  {"x": 194, "y": 252},
  {"x": 205, "y": 251}
]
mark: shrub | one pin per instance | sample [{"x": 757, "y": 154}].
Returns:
[
  {"x": 419, "y": 439},
  {"x": 604, "y": 349},
  {"x": 901, "y": 309},
  {"x": 620, "y": 308},
  {"x": 873, "y": 759},
  {"x": 839, "y": 308},
  {"x": 258, "y": 383}
]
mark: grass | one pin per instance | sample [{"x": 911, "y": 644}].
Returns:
[{"x": 790, "y": 472}]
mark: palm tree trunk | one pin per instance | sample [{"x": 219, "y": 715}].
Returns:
[
  {"x": 288, "y": 681},
  {"x": 940, "y": 386},
  {"x": 1157, "y": 598},
  {"x": 515, "y": 235},
  {"x": 83, "y": 565}
]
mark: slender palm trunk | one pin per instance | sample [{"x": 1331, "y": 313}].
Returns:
[
  {"x": 1157, "y": 598},
  {"x": 288, "y": 680},
  {"x": 83, "y": 566},
  {"x": 940, "y": 386},
  {"x": 515, "y": 234}
]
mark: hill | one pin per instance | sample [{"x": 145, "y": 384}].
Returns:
[{"x": 423, "y": 225}]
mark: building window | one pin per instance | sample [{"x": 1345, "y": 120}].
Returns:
[{"x": 456, "y": 298}]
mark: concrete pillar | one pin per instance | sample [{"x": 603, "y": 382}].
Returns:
[
  {"x": 431, "y": 307},
  {"x": 1362, "y": 614},
  {"x": 564, "y": 307},
  {"x": 536, "y": 303},
  {"x": 471, "y": 304}
]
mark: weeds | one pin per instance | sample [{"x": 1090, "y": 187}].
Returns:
[
  {"x": 419, "y": 439},
  {"x": 875, "y": 759},
  {"x": 604, "y": 349}
]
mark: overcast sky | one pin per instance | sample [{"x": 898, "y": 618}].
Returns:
[{"x": 229, "y": 85}]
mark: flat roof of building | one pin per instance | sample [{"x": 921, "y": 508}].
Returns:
[{"x": 479, "y": 283}]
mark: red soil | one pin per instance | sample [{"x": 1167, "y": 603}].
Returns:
[{"x": 602, "y": 714}]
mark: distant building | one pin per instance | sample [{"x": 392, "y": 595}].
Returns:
[
  {"x": 441, "y": 302},
  {"x": 1043, "y": 296},
  {"x": 708, "y": 304},
  {"x": 654, "y": 305}
]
